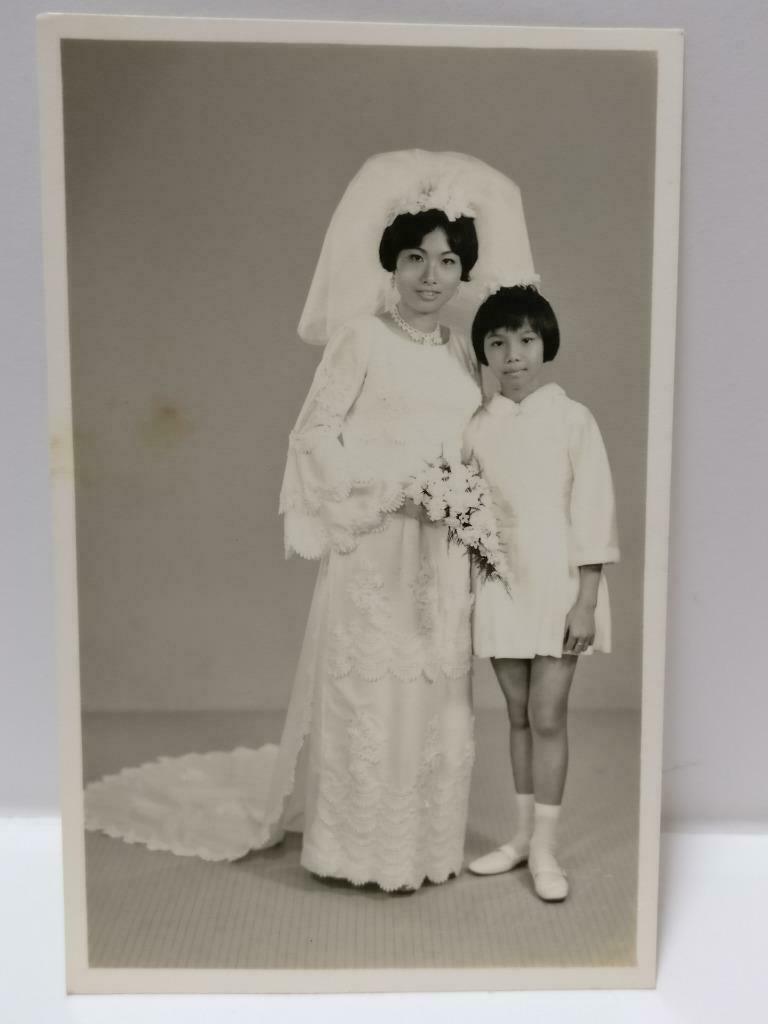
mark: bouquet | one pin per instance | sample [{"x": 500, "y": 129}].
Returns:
[{"x": 455, "y": 493}]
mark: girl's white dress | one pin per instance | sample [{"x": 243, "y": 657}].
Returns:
[
  {"x": 546, "y": 464},
  {"x": 377, "y": 748}
]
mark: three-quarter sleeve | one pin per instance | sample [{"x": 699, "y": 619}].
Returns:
[
  {"x": 325, "y": 504},
  {"x": 594, "y": 534}
]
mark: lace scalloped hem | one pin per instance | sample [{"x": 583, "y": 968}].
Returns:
[
  {"x": 155, "y": 845},
  {"x": 212, "y": 806},
  {"x": 390, "y": 884}
]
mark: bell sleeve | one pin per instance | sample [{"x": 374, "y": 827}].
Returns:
[
  {"x": 594, "y": 534},
  {"x": 325, "y": 504}
]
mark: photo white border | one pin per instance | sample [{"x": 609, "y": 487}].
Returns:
[{"x": 668, "y": 46}]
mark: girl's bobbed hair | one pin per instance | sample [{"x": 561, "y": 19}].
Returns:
[
  {"x": 408, "y": 229},
  {"x": 510, "y": 308}
]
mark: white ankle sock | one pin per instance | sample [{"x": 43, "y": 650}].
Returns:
[
  {"x": 544, "y": 838},
  {"x": 525, "y": 818}
]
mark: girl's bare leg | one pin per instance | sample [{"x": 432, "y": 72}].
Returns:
[
  {"x": 550, "y": 686},
  {"x": 551, "y": 680},
  {"x": 513, "y": 676}
]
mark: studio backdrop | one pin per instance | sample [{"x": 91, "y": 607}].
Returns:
[{"x": 199, "y": 182}]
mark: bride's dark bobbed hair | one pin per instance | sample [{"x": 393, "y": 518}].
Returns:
[{"x": 408, "y": 229}]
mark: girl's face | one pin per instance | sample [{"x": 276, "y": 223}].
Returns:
[
  {"x": 515, "y": 358},
  {"x": 428, "y": 276}
]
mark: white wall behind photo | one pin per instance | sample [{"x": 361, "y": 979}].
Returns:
[{"x": 716, "y": 700}]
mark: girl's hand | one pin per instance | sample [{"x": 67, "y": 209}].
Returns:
[{"x": 579, "y": 628}]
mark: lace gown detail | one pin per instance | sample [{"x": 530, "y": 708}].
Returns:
[{"x": 376, "y": 754}]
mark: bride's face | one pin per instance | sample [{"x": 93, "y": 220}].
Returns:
[{"x": 428, "y": 276}]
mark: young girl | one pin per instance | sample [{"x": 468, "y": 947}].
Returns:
[{"x": 546, "y": 465}]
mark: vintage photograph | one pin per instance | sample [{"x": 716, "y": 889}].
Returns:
[{"x": 361, "y": 343}]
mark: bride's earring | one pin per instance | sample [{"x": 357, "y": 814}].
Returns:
[{"x": 392, "y": 296}]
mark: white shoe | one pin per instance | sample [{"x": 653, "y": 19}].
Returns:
[
  {"x": 549, "y": 879},
  {"x": 498, "y": 861}
]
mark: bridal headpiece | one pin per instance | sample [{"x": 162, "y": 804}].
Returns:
[
  {"x": 349, "y": 280},
  {"x": 433, "y": 195}
]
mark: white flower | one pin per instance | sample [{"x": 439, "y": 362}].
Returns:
[
  {"x": 471, "y": 537},
  {"x": 433, "y": 195},
  {"x": 435, "y": 480},
  {"x": 436, "y": 508},
  {"x": 414, "y": 490}
]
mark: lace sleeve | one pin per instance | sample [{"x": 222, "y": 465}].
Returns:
[
  {"x": 593, "y": 507},
  {"x": 324, "y": 505}
]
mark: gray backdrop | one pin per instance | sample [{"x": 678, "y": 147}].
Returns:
[
  {"x": 715, "y": 756},
  {"x": 200, "y": 181}
]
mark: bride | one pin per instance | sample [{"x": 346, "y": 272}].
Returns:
[{"x": 376, "y": 754}]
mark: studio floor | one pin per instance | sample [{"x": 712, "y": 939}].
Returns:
[{"x": 153, "y": 909}]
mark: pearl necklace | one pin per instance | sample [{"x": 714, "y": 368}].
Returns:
[{"x": 433, "y": 337}]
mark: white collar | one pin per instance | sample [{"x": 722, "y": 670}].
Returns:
[{"x": 501, "y": 406}]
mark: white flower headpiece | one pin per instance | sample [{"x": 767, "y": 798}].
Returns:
[
  {"x": 433, "y": 195},
  {"x": 489, "y": 288}
]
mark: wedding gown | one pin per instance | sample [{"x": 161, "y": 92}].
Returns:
[{"x": 377, "y": 748}]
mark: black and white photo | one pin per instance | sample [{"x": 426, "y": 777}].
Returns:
[{"x": 361, "y": 348}]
